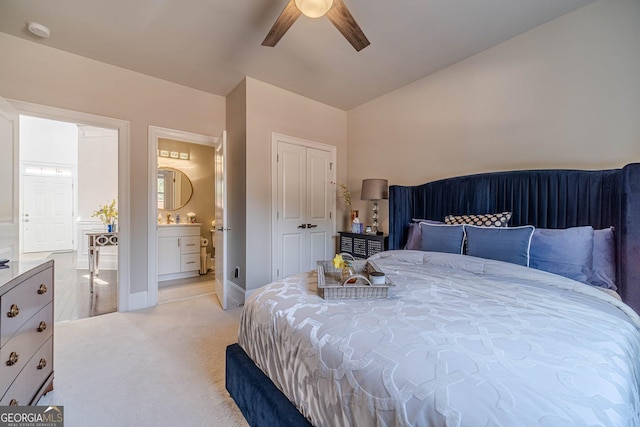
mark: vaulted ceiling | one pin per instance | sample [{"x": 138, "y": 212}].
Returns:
[{"x": 212, "y": 44}]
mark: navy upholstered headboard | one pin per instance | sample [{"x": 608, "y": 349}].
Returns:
[{"x": 543, "y": 198}]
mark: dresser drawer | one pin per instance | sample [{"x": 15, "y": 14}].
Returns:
[
  {"x": 190, "y": 262},
  {"x": 32, "y": 377},
  {"x": 190, "y": 245},
  {"x": 17, "y": 351},
  {"x": 20, "y": 303}
]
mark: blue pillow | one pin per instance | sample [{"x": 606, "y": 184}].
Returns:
[
  {"x": 604, "y": 259},
  {"x": 442, "y": 238},
  {"x": 414, "y": 237},
  {"x": 567, "y": 252},
  {"x": 500, "y": 243}
]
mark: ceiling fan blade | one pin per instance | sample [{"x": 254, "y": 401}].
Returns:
[
  {"x": 340, "y": 16},
  {"x": 286, "y": 19}
]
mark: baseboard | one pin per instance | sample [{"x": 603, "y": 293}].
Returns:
[
  {"x": 137, "y": 301},
  {"x": 235, "y": 294}
]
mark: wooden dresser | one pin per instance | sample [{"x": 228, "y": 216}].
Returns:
[{"x": 26, "y": 332}]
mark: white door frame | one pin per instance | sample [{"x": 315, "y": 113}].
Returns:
[
  {"x": 125, "y": 301},
  {"x": 155, "y": 133},
  {"x": 332, "y": 149}
]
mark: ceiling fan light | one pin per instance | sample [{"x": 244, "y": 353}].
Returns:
[{"x": 314, "y": 8}]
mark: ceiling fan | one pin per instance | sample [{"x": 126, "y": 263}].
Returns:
[{"x": 335, "y": 10}]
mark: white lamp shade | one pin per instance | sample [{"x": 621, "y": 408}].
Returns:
[
  {"x": 314, "y": 8},
  {"x": 374, "y": 189}
]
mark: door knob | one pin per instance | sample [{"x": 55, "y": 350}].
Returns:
[
  {"x": 302, "y": 226},
  {"x": 311, "y": 225}
]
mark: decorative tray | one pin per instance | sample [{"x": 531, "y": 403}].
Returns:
[{"x": 332, "y": 284}]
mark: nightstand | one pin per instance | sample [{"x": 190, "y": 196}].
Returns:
[{"x": 362, "y": 245}]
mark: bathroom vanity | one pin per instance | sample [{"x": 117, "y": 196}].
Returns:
[{"x": 178, "y": 251}]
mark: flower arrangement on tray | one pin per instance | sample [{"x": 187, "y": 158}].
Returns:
[
  {"x": 346, "y": 277},
  {"x": 346, "y": 266}
]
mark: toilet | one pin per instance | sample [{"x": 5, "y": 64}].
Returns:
[{"x": 204, "y": 264}]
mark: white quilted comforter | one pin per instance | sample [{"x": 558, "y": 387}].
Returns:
[{"x": 461, "y": 341}]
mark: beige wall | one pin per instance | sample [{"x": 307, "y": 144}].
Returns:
[
  {"x": 563, "y": 95},
  {"x": 271, "y": 109},
  {"x": 36, "y": 73},
  {"x": 97, "y": 170},
  {"x": 200, "y": 169}
]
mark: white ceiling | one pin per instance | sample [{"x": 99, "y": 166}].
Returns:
[{"x": 212, "y": 44}]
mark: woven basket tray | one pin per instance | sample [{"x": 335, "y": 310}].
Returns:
[{"x": 332, "y": 286}]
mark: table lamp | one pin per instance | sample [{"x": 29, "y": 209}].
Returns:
[{"x": 374, "y": 189}]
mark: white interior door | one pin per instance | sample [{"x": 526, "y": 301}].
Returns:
[
  {"x": 304, "y": 221},
  {"x": 319, "y": 207},
  {"x": 292, "y": 209},
  {"x": 9, "y": 140},
  {"x": 222, "y": 230},
  {"x": 47, "y": 213}
]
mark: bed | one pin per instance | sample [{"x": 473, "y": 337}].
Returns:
[{"x": 461, "y": 340}]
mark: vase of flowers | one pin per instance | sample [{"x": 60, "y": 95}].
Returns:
[
  {"x": 346, "y": 199},
  {"x": 108, "y": 214}
]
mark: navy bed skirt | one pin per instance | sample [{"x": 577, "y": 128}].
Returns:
[{"x": 261, "y": 403}]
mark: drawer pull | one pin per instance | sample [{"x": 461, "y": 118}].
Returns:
[
  {"x": 42, "y": 364},
  {"x": 42, "y": 289},
  {"x": 13, "y": 311},
  {"x": 42, "y": 327},
  {"x": 14, "y": 402},
  {"x": 13, "y": 358}
]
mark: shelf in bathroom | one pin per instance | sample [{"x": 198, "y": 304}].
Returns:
[{"x": 186, "y": 224}]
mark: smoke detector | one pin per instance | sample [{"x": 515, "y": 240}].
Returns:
[{"x": 38, "y": 30}]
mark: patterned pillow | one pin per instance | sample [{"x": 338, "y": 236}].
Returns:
[{"x": 486, "y": 220}]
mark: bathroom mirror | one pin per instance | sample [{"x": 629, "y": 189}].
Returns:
[{"x": 174, "y": 188}]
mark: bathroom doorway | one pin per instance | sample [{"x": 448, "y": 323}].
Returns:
[{"x": 182, "y": 213}]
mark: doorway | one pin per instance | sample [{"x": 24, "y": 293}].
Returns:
[
  {"x": 165, "y": 150},
  {"x": 68, "y": 171},
  {"x": 125, "y": 300}
]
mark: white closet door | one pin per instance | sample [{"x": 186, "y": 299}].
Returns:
[
  {"x": 303, "y": 223},
  {"x": 319, "y": 224}
]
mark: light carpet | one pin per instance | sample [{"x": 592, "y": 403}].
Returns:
[{"x": 162, "y": 366}]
